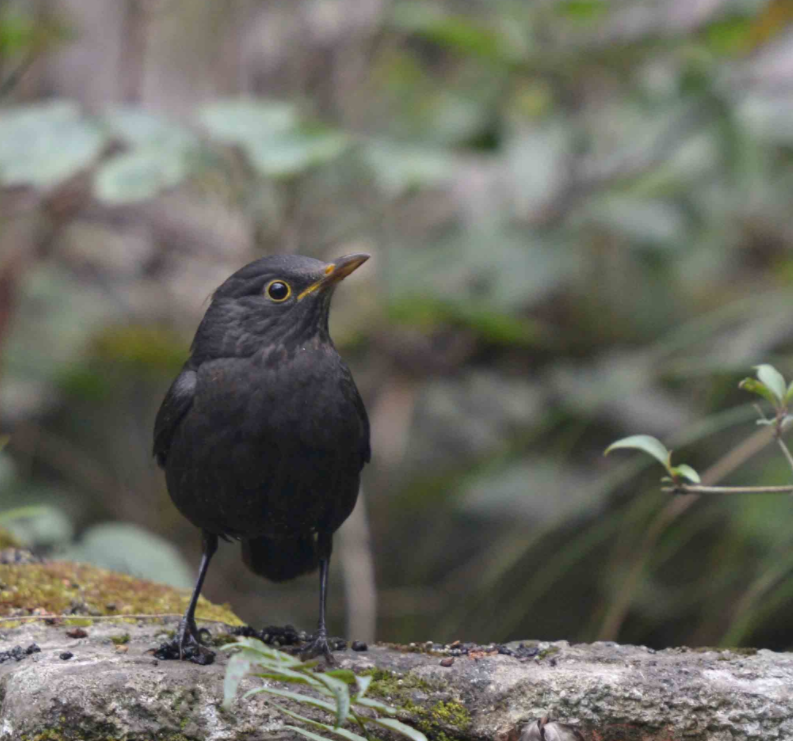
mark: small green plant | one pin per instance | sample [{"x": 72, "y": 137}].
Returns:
[
  {"x": 340, "y": 693},
  {"x": 770, "y": 385}
]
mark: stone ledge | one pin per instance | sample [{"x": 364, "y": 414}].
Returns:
[{"x": 113, "y": 689}]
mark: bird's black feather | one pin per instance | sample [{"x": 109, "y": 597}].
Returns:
[
  {"x": 279, "y": 559},
  {"x": 177, "y": 402}
]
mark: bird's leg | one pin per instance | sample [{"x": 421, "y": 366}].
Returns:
[
  {"x": 188, "y": 637},
  {"x": 319, "y": 645}
]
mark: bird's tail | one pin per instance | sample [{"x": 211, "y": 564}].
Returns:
[{"x": 281, "y": 559}]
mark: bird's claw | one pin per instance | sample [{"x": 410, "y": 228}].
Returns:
[
  {"x": 187, "y": 645},
  {"x": 319, "y": 646}
]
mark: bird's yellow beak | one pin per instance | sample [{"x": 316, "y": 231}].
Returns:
[{"x": 336, "y": 271}]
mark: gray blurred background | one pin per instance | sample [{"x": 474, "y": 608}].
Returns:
[{"x": 579, "y": 213}]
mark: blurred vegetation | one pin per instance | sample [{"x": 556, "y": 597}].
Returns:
[{"x": 580, "y": 217}]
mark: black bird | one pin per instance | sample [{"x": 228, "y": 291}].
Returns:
[{"x": 263, "y": 434}]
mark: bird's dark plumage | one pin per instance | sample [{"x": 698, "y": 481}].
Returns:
[{"x": 263, "y": 434}]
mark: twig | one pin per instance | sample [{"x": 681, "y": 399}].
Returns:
[
  {"x": 700, "y": 489},
  {"x": 785, "y": 450}
]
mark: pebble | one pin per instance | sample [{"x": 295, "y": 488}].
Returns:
[
  {"x": 448, "y": 661},
  {"x": 359, "y": 646},
  {"x": 66, "y": 655}
]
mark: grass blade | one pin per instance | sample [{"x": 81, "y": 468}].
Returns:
[
  {"x": 296, "y": 696},
  {"x": 395, "y": 725}
]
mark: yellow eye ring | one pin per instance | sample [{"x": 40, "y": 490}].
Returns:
[{"x": 278, "y": 290}]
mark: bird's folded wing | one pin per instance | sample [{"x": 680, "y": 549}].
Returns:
[
  {"x": 175, "y": 405},
  {"x": 352, "y": 392}
]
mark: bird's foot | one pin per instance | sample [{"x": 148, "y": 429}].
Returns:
[
  {"x": 319, "y": 646},
  {"x": 186, "y": 645}
]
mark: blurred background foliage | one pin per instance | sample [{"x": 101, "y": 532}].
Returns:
[{"x": 580, "y": 217}]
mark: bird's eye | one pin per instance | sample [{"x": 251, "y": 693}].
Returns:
[{"x": 278, "y": 291}]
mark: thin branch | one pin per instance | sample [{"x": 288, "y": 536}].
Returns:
[
  {"x": 786, "y": 451},
  {"x": 700, "y": 489}
]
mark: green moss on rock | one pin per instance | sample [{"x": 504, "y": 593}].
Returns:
[
  {"x": 63, "y": 735},
  {"x": 443, "y": 720},
  {"x": 7, "y": 540},
  {"x": 397, "y": 686},
  {"x": 548, "y": 652},
  {"x": 59, "y": 587}
]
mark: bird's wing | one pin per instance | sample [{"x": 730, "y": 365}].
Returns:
[
  {"x": 364, "y": 445},
  {"x": 175, "y": 405},
  {"x": 366, "y": 448}
]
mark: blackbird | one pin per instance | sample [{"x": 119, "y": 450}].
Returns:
[{"x": 263, "y": 434}]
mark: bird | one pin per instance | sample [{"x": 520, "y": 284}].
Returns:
[{"x": 263, "y": 434}]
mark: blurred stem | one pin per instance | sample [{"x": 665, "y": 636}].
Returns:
[
  {"x": 700, "y": 489},
  {"x": 745, "y": 611},
  {"x": 9, "y": 269},
  {"x": 133, "y": 50},
  {"x": 618, "y": 610},
  {"x": 9, "y": 84},
  {"x": 785, "y": 451},
  {"x": 355, "y": 554},
  {"x": 34, "y": 441}
]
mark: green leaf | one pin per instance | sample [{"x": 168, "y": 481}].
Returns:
[
  {"x": 289, "y": 676},
  {"x": 292, "y": 152},
  {"x": 20, "y": 513},
  {"x": 261, "y": 650},
  {"x": 729, "y": 35},
  {"x": 345, "y": 675},
  {"x": 582, "y": 10},
  {"x": 131, "y": 549},
  {"x": 395, "y": 725},
  {"x": 4, "y": 440},
  {"x": 44, "y": 144},
  {"x": 375, "y": 705},
  {"x": 650, "y": 445},
  {"x": 40, "y": 526},
  {"x": 139, "y": 174},
  {"x": 317, "y": 737},
  {"x": 340, "y": 693},
  {"x": 138, "y": 128},
  {"x": 788, "y": 394},
  {"x": 363, "y": 682},
  {"x": 17, "y": 32},
  {"x": 296, "y": 696},
  {"x": 236, "y": 670},
  {"x": 244, "y": 120},
  {"x": 773, "y": 380},
  {"x": 753, "y": 386},
  {"x": 400, "y": 168},
  {"x": 455, "y": 32},
  {"x": 343, "y": 732},
  {"x": 686, "y": 472}
]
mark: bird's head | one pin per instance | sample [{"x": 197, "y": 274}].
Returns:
[{"x": 281, "y": 300}]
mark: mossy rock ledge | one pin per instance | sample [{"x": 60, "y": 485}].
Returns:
[{"x": 111, "y": 688}]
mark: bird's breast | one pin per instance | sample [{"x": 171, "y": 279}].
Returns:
[{"x": 270, "y": 441}]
